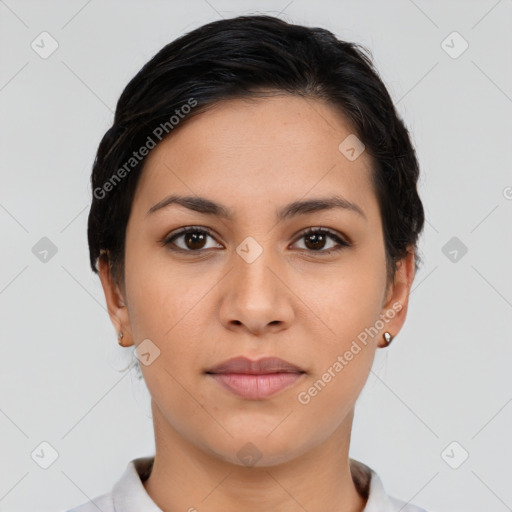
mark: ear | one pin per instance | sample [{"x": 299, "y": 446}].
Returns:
[
  {"x": 397, "y": 298},
  {"x": 116, "y": 302}
]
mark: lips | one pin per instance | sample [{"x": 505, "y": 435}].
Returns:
[
  {"x": 256, "y": 380},
  {"x": 266, "y": 365}
]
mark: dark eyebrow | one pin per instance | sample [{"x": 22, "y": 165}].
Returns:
[
  {"x": 316, "y": 205},
  {"x": 304, "y": 207}
]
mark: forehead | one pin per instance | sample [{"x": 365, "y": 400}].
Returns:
[{"x": 248, "y": 153}]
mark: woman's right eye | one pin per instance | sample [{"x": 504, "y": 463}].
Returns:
[{"x": 191, "y": 239}]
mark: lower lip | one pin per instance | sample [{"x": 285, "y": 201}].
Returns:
[{"x": 256, "y": 387}]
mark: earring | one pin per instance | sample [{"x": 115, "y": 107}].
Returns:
[
  {"x": 120, "y": 335},
  {"x": 387, "y": 337}
]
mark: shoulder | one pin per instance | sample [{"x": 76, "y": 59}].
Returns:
[
  {"x": 403, "y": 506},
  {"x": 128, "y": 493},
  {"x": 371, "y": 487},
  {"x": 105, "y": 503}
]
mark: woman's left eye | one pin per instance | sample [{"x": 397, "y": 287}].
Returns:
[
  {"x": 194, "y": 240},
  {"x": 317, "y": 237}
]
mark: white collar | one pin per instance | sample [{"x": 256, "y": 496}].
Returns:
[{"x": 129, "y": 494}]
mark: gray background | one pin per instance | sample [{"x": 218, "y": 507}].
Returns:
[{"x": 447, "y": 375}]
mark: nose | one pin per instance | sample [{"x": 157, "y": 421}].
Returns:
[{"x": 255, "y": 297}]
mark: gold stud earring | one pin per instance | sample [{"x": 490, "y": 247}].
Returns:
[
  {"x": 387, "y": 337},
  {"x": 120, "y": 336}
]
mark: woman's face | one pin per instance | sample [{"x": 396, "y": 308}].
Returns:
[{"x": 256, "y": 285}]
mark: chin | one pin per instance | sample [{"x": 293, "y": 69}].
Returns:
[{"x": 259, "y": 450}]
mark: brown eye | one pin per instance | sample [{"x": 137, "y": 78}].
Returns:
[
  {"x": 315, "y": 240},
  {"x": 195, "y": 240},
  {"x": 192, "y": 239}
]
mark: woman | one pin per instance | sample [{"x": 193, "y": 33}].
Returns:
[{"x": 254, "y": 224}]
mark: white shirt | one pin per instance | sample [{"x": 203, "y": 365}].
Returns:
[{"x": 129, "y": 495}]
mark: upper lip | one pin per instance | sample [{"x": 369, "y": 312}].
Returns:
[{"x": 261, "y": 366}]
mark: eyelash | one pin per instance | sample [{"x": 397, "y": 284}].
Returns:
[{"x": 317, "y": 231}]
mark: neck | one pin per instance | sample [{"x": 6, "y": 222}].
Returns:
[{"x": 184, "y": 477}]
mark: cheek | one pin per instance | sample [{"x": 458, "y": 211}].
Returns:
[
  {"x": 351, "y": 310},
  {"x": 329, "y": 397},
  {"x": 343, "y": 360},
  {"x": 167, "y": 307},
  {"x": 350, "y": 301},
  {"x": 156, "y": 292}
]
